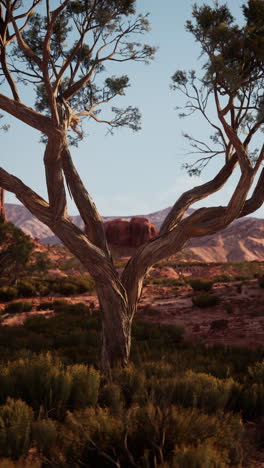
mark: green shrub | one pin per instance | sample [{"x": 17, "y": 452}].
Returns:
[
  {"x": 47, "y": 305},
  {"x": 43, "y": 381},
  {"x": 222, "y": 278},
  {"x": 66, "y": 288},
  {"x": 60, "y": 305},
  {"x": 44, "y": 434},
  {"x": 256, "y": 372},
  {"x": 261, "y": 282},
  {"x": 26, "y": 288},
  {"x": 229, "y": 309},
  {"x": 17, "y": 307},
  {"x": 249, "y": 399},
  {"x": 112, "y": 398},
  {"x": 23, "y": 462},
  {"x": 203, "y": 456},
  {"x": 194, "y": 390},
  {"x": 132, "y": 384},
  {"x": 15, "y": 419},
  {"x": 8, "y": 294},
  {"x": 84, "y": 284},
  {"x": 150, "y": 435},
  {"x": 200, "y": 284},
  {"x": 84, "y": 387},
  {"x": 206, "y": 300}
]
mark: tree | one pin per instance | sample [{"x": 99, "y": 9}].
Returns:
[
  {"x": 15, "y": 250},
  {"x": 69, "y": 85}
]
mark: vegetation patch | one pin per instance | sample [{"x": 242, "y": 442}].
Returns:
[{"x": 206, "y": 300}]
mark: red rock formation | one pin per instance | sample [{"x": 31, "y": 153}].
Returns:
[
  {"x": 2, "y": 205},
  {"x": 129, "y": 233},
  {"x": 141, "y": 230}
]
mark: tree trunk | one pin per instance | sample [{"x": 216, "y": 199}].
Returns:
[
  {"x": 116, "y": 338},
  {"x": 116, "y": 327}
]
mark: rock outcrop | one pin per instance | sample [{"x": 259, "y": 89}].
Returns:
[{"x": 131, "y": 233}]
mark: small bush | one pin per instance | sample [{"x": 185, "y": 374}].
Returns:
[
  {"x": 84, "y": 284},
  {"x": 15, "y": 420},
  {"x": 206, "y": 300},
  {"x": 66, "y": 288},
  {"x": 17, "y": 307},
  {"x": 85, "y": 386},
  {"x": 256, "y": 372},
  {"x": 47, "y": 305},
  {"x": 8, "y": 294},
  {"x": 261, "y": 282},
  {"x": 202, "y": 456},
  {"x": 200, "y": 284},
  {"x": 222, "y": 278},
  {"x": 112, "y": 398},
  {"x": 229, "y": 309},
  {"x": 26, "y": 288},
  {"x": 44, "y": 434}
]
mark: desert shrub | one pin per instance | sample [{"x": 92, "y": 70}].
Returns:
[
  {"x": 15, "y": 419},
  {"x": 44, "y": 434},
  {"x": 229, "y": 309},
  {"x": 261, "y": 282},
  {"x": 8, "y": 294},
  {"x": 222, "y": 278},
  {"x": 159, "y": 431},
  {"x": 46, "y": 305},
  {"x": 84, "y": 387},
  {"x": 132, "y": 384},
  {"x": 166, "y": 281},
  {"x": 43, "y": 381},
  {"x": 241, "y": 277},
  {"x": 206, "y": 300},
  {"x": 66, "y": 288},
  {"x": 79, "y": 308},
  {"x": 164, "y": 334},
  {"x": 200, "y": 284},
  {"x": 112, "y": 398},
  {"x": 18, "y": 306},
  {"x": 60, "y": 305},
  {"x": 84, "y": 284},
  {"x": 26, "y": 288},
  {"x": 23, "y": 462},
  {"x": 160, "y": 369},
  {"x": 256, "y": 372},
  {"x": 249, "y": 399},
  {"x": 194, "y": 390},
  {"x": 203, "y": 456}
]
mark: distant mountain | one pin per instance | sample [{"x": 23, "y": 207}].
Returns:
[
  {"x": 242, "y": 240},
  {"x": 22, "y": 218}
]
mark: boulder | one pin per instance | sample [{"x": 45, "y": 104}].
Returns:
[{"x": 131, "y": 233}]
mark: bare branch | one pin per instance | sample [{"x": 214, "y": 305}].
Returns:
[
  {"x": 196, "y": 194},
  {"x": 26, "y": 115}
]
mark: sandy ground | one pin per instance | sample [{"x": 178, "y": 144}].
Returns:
[{"x": 237, "y": 320}]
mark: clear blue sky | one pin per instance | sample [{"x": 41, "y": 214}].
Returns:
[{"x": 133, "y": 173}]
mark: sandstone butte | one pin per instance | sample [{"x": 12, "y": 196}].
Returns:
[{"x": 131, "y": 233}]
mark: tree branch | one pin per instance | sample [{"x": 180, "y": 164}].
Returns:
[
  {"x": 26, "y": 114},
  {"x": 93, "y": 223},
  {"x": 196, "y": 194},
  {"x": 54, "y": 178}
]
